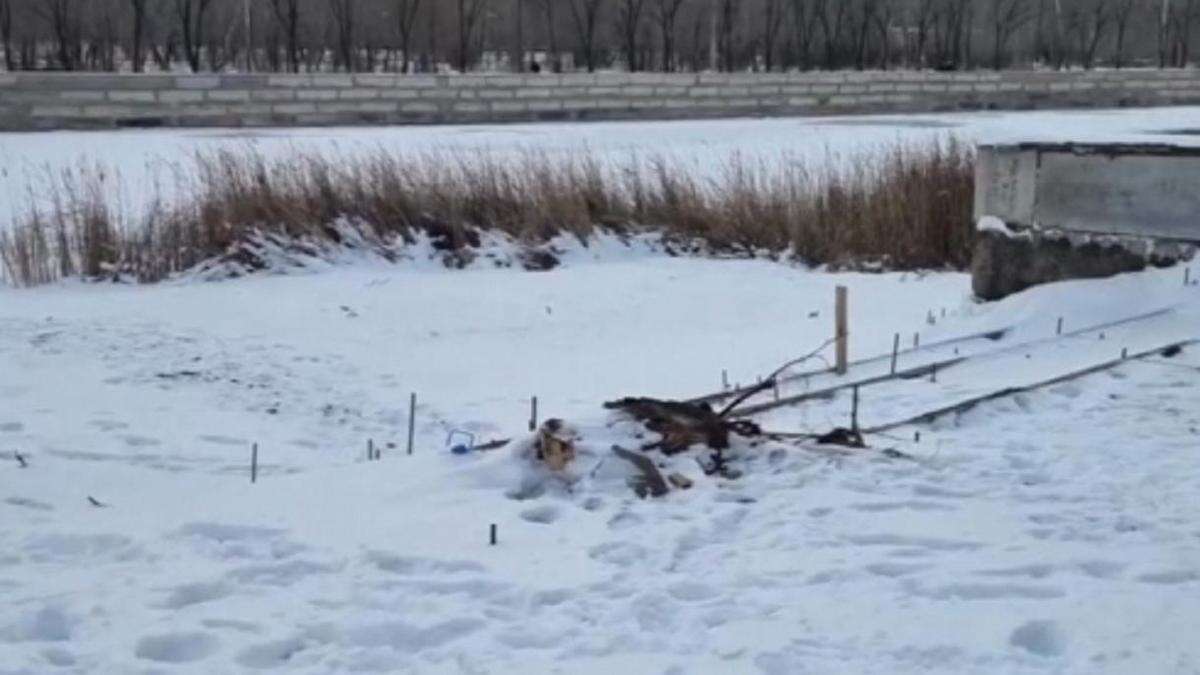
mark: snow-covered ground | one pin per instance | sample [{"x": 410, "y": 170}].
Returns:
[
  {"x": 1054, "y": 531},
  {"x": 143, "y": 165},
  {"x": 1051, "y": 531}
]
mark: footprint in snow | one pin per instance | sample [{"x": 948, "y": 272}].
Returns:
[
  {"x": 894, "y": 570},
  {"x": 1041, "y": 638},
  {"x": 1034, "y": 571},
  {"x": 692, "y": 591},
  {"x": 196, "y": 593},
  {"x": 619, "y": 553},
  {"x": 977, "y": 591},
  {"x": 1170, "y": 577},
  {"x": 544, "y": 514},
  {"x": 48, "y": 624},
  {"x": 177, "y": 647}
]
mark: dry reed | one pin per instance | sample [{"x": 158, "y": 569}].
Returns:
[{"x": 904, "y": 207}]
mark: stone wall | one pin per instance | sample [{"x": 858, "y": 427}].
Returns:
[{"x": 30, "y": 101}]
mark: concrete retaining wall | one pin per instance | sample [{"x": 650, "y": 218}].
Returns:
[
  {"x": 30, "y": 101},
  {"x": 1082, "y": 211},
  {"x": 1150, "y": 190}
]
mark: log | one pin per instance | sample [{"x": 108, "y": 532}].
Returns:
[
  {"x": 652, "y": 479},
  {"x": 682, "y": 424}
]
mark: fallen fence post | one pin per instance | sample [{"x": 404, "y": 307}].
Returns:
[
  {"x": 841, "y": 328},
  {"x": 412, "y": 420}
]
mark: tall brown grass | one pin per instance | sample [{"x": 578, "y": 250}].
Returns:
[{"x": 903, "y": 207}]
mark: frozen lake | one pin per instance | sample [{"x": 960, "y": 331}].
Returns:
[{"x": 147, "y": 163}]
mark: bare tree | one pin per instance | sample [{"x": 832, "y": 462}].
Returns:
[
  {"x": 884, "y": 16},
  {"x": 1121, "y": 17},
  {"x": 666, "y": 15},
  {"x": 138, "y": 8},
  {"x": 803, "y": 28},
  {"x": 518, "y": 58},
  {"x": 548, "y": 6},
  {"x": 6, "y": 33},
  {"x": 1056, "y": 50},
  {"x": 629, "y": 22},
  {"x": 1164, "y": 25},
  {"x": 727, "y": 33},
  {"x": 469, "y": 14},
  {"x": 866, "y": 11},
  {"x": 586, "y": 16},
  {"x": 832, "y": 22},
  {"x": 1183, "y": 20},
  {"x": 341, "y": 12},
  {"x": 406, "y": 20},
  {"x": 922, "y": 18},
  {"x": 1090, "y": 21},
  {"x": 191, "y": 15},
  {"x": 287, "y": 13},
  {"x": 772, "y": 16},
  {"x": 63, "y": 18},
  {"x": 1007, "y": 17}
]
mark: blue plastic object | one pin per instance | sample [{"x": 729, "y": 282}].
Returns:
[{"x": 461, "y": 448}]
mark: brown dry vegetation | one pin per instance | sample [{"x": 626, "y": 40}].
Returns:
[{"x": 906, "y": 207}]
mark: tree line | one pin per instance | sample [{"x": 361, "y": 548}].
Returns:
[{"x": 564, "y": 35}]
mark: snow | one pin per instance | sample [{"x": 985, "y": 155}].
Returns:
[
  {"x": 996, "y": 226},
  {"x": 1052, "y": 531},
  {"x": 144, "y": 165}
]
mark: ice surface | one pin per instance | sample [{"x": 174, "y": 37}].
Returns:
[{"x": 142, "y": 165}]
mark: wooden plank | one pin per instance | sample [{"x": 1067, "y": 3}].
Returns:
[{"x": 967, "y": 404}]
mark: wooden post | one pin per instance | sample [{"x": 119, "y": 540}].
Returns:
[
  {"x": 1124, "y": 353},
  {"x": 493, "y": 539},
  {"x": 724, "y": 380},
  {"x": 1058, "y": 331},
  {"x": 371, "y": 450},
  {"x": 533, "y": 413},
  {"x": 854, "y": 411},
  {"x": 412, "y": 420},
  {"x": 254, "y": 463},
  {"x": 933, "y": 373},
  {"x": 1187, "y": 276},
  {"x": 895, "y": 351},
  {"x": 916, "y": 340},
  {"x": 842, "y": 329}
]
